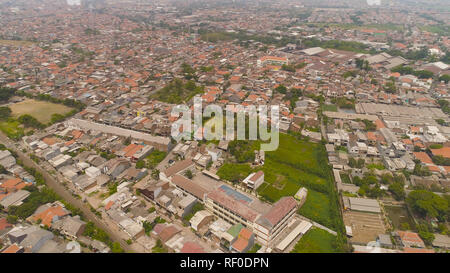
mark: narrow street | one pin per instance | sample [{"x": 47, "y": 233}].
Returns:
[{"x": 63, "y": 193}]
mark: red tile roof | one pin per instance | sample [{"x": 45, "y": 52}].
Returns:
[
  {"x": 4, "y": 224},
  {"x": 168, "y": 233},
  {"x": 48, "y": 215},
  {"x": 417, "y": 250},
  {"x": 240, "y": 244},
  {"x": 11, "y": 249},
  {"x": 445, "y": 152},
  {"x": 192, "y": 247},
  {"x": 410, "y": 238},
  {"x": 423, "y": 157}
]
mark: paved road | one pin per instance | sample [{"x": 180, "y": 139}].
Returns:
[{"x": 63, "y": 193}]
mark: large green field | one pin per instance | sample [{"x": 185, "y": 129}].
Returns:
[
  {"x": 316, "y": 241},
  {"x": 296, "y": 163}
]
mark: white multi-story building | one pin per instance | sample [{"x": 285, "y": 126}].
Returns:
[{"x": 254, "y": 180}]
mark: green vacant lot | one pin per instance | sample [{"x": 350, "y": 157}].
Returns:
[
  {"x": 329, "y": 107},
  {"x": 296, "y": 163},
  {"x": 316, "y": 241},
  {"x": 12, "y": 129},
  {"x": 177, "y": 92}
]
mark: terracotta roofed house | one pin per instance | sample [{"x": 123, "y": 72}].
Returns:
[
  {"x": 444, "y": 152},
  {"x": 49, "y": 214},
  {"x": 410, "y": 239}
]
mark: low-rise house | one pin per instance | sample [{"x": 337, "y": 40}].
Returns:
[
  {"x": 441, "y": 241},
  {"x": 192, "y": 247},
  {"x": 201, "y": 219},
  {"x": 84, "y": 182},
  {"x": 115, "y": 167},
  {"x": 176, "y": 168},
  {"x": 48, "y": 214},
  {"x": 244, "y": 242},
  {"x": 410, "y": 239},
  {"x": 34, "y": 238},
  {"x": 254, "y": 180},
  {"x": 72, "y": 227},
  {"x": 185, "y": 205},
  {"x": 14, "y": 199}
]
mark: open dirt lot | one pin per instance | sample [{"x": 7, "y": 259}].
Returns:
[{"x": 365, "y": 226}]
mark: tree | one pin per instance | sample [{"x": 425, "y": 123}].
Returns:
[
  {"x": 127, "y": 141},
  {"x": 12, "y": 219},
  {"x": 189, "y": 174},
  {"x": 281, "y": 89},
  {"x": 370, "y": 126},
  {"x": 420, "y": 170},
  {"x": 360, "y": 163},
  {"x": 390, "y": 88},
  {"x": 428, "y": 204},
  {"x": 375, "y": 191},
  {"x": 56, "y": 118},
  {"x": 398, "y": 191},
  {"x": 242, "y": 150},
  {"x": 440, "y": 121},
  {"x": 387, "y": 178},
  {"x": 444, "y": 78},
  {"x": 6, "y": 93},
  {"x": 140, "y": 164},
  {"x": 116, "y": 248},
  {"x": 440, "y": 160},
  {"x": 3, "y": 170},
  {"x": 289, "y": 68},
  {"x": 155, "y": 174},
  {"x": 30, "y": 121},
  {"x": 425, "y": 234},
  {"x": 352, "y": 162},
  {"x": 5, "y": 112}
]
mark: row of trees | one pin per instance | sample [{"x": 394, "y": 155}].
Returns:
[
  {"x": 5, "y": 112},
  {"x": 6, "y": 93},
  {"x": 407, "y": 70}
]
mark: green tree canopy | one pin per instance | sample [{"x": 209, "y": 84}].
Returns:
[{"x": 427, "y": 203}]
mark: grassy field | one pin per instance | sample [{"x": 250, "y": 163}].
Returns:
[
  {"x": 12, "y": 129},
  {"x": 41, "y": 110},
  {"x": 316, "y": 241},
  {"x": 439, "y": 29},
  {"x": 15, "y": 43},
  {"x": 296, "y": 163},
  {"x": 399, "y": 217},
  {"x": 329, "y": 107}
]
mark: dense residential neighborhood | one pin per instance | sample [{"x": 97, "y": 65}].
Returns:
[{"x": 89, "y": 157}]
